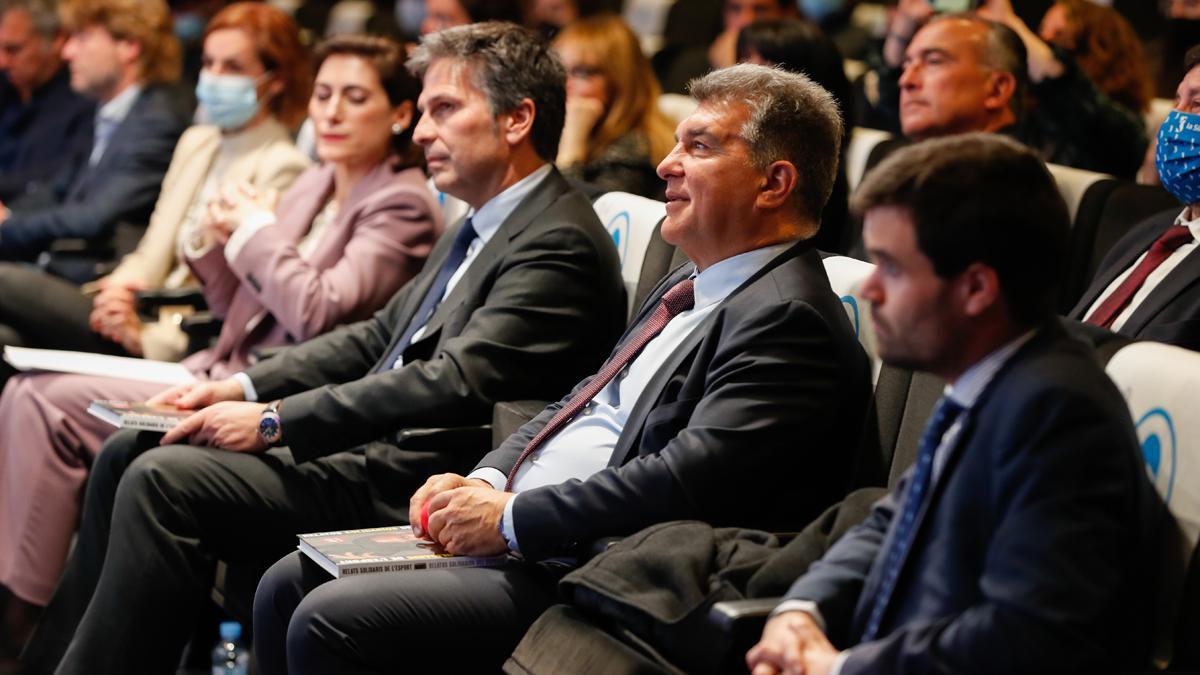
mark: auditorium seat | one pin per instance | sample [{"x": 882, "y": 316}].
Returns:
[
  {"x": 631, "y": 221},
  {"x": 862, "y": 142}
]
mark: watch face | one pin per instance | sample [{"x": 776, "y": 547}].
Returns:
[{"x": 268, "y": 428}]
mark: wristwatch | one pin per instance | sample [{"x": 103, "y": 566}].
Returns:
[{"x": 269, "y": 428}]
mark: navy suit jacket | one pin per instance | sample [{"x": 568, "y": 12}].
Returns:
[
  {"x": 1030, "y": 552},
  {"x": 55, "y": 125},
  {"x": 746, "y": 424},
  {"x": 87, "y": 202},
  {"x": 1171, "y": 312}
]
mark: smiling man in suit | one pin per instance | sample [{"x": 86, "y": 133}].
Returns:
[
  {"x": 1019, "y": 541},
  {"x": 729, "y": 399},
  {"x": 517, "y": 301}
]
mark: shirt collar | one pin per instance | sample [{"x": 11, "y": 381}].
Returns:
[
  {"x": 720, "y": 279},
  {"x": 970, "y": 385},
  {"x": 1193, "y": 225},
  {"x": 118, "y": 108},
  {"x": 491, "y": 215}
]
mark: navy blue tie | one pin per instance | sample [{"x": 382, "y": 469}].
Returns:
[
  {"x": 918, "y": 488},
  {"x": 429, "y": 304}
]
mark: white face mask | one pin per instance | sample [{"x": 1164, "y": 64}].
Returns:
[{"x": 228, "y": 101}]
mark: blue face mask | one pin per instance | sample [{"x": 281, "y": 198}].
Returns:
[
  {"x": 818, "y": 10},
  {"x": 227, "y": 101},
  {"x": 190, "y": 27},
  {"x": 1178, "y": 156}
]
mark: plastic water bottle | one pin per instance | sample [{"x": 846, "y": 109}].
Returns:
[{"x": 229, "y": 657}]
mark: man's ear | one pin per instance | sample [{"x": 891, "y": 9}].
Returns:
[
  {"x": 1002, "y": 86},
  {"x": 780, "y": 182},
  {"x": 978, "y": 289},
  {"x": 128, "y": 51},
  {"x": 517, "y": 124}
]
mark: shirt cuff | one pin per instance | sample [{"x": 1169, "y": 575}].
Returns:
[
  {"x": 807, "y": 606},
  {"x": 506, "y": 526},
  {"x": 249, "y": 226},
  {"x": 248, "y": 391},
  {"x": 491, "y": 475},
  {"x": 838, "y": 662}
]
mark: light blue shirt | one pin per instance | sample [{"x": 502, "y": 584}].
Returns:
[
  {"x": 585, "y": 445},
  {"x": 964, "y": 391},
  {"x": 108, "y": 117},
  {"x": 486, "y": 221}
]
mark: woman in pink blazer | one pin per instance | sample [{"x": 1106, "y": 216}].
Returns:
[{"x": 341, "y": 241}]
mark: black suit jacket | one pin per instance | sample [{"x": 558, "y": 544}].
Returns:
[
  {"x": 539, "y": 306},
  {"x": 751, "y": 421},
  {"x": 55, "y": 126},
  {"x": 1031, "y": 554},
  {"x": 87, "y": 202},
  {"x": 1171, "y": 312}
]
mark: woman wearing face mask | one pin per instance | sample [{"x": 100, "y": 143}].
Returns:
[
  {"x": 340, "y": 242},
  {"x": 254, "y": 86}
]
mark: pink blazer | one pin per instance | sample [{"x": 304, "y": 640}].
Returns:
[{"x": 379, "y": 241}]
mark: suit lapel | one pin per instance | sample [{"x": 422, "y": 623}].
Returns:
[
  {"x": 1179, "y": 279},
  {"x": 1113, "y": 271}
]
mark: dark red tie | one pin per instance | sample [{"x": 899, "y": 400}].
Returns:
[
  {"x": 1160, "y": 250},
  {"x": 678, "y": 299}
]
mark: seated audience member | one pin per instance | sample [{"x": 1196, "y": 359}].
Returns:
[
  {"x": 342, "y": 240},
  {"x": 801, "y": 47},
  {"x": 443, "y": 14},
  {"x": 972, "y": 72},
  {"x": 41, "y": 119},
  {"x": 1016, "y": 543},
  {"x": 123, "y": 55},
  {"x": 614, "y": 134},
  {"x": 1105, "y": 46},
  {"x": 678, "y": 67},
  {"x": 1148, "y": 286},
  {"x": 731, "y": 395},
  {"x": 517, "y": 301},
  {"x": 256, "y": 84}
]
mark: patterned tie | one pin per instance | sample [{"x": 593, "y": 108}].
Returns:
[
  {"x": 429, "y": 304},
  {"x": 943, "y": 417},
  {"x": 1160, "y": 250},
  {"x": 679, "y": 298}
]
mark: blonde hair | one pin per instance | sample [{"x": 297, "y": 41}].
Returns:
[
  {"x": 146, "y": 22},
  {"x": 633, "y": 89}
]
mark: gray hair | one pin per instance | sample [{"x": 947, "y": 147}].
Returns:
[
  {"x": 43, "y": 14},
  {"x": 509, "y": 64},
  {"x": 792, "y": 119}
]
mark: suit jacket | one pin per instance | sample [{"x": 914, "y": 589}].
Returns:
[
  {"x": 1033, "y": 546},
  {"x": 378, "y": 241},
  {"x": 539, "y": 306},
  {"x": 746, "y": 424},
  {"x": 56, "y": 124},
  {"x": 1171, "y": 312},
  {"x": 87, "y": 202}
]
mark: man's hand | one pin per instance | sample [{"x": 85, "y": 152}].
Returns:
[
  {"x": 433, "y": 486},
  {"x": 466, "y": 520},
  {"x": 196, "y": 395},
  {"x": 791, "y": 643},
  {"x": 230, "y": 425}
]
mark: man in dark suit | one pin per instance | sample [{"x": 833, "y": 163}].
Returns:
[
  {"x": 516, "y": 302},
  {"x": 122, "y": 54},
  {"x": 1148, "y": 286},
  {"x": 1018, "y": 542},
  {"x": 729, "y": 399}
]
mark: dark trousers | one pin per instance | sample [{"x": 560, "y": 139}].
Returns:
[
  {"x": 464, "y": 620},
  {"x": 156, "y": 520}
]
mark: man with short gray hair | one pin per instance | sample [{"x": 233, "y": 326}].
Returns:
[
  {"x": 725, "y": 401},
  {"x": 42, "y": 121}
]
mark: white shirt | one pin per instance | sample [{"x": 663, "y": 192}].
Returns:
[
  {"x": 585, "y": 445},
  {"x": 1156, "y": 277},
  {"x": 964, "y": 391},
  {"x": 112, "y": 113}
]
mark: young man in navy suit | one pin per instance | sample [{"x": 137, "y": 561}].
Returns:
[{"x": 1018, "y": 541}]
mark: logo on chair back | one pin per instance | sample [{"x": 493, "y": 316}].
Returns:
[
  {"x": 851, "y": 311},
  {"x": 1156, "y": 432},
  {"x": 618, "y": 229}
]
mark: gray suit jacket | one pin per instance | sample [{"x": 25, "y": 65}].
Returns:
[{"x": 539, "y": 307}]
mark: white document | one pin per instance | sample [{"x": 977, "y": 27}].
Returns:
[{"x": 143, "y": 370}]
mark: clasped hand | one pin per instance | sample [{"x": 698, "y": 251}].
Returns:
[
  {"x": 464, "y": 514},
  {"x": 222, "y": 419},
  {"x": 232, "y": 206},
  {"x": 793, "y": 644}
]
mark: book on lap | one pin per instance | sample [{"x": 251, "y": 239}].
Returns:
[
  {"x": 131, "y": 415},
  {"x": 382, "y": 549}
]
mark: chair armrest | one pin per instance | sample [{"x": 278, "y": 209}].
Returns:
[
  {"x": 508, "y": 416},
  {"x": 732, "y": 615},
  {"x": 149, "y": 302},
  {"x": 473, "y": 440}
]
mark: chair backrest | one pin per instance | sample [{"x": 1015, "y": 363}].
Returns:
[
  {"x": 676, "y": 106},
  {"x": 1073, "y": 183},
  {"x": 631, "y": 220},
  {"x": 846, "y": 276},
  {"x": 1159, "y": 383},
  {"x": 453, "y": 208},
  {"x": 862, "y": 142}
]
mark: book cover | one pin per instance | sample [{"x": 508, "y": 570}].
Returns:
[
  {"x": 382, "y": 549},
  {"x": 132, "y": 415}
]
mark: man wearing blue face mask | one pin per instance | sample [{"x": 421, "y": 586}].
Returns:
[{"x": 1148, "y": 287}]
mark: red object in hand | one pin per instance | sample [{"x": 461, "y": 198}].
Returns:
[{"x": 425, "y": 517}]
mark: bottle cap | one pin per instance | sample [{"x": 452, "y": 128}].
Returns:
[{"x": 231, "y": 631}]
